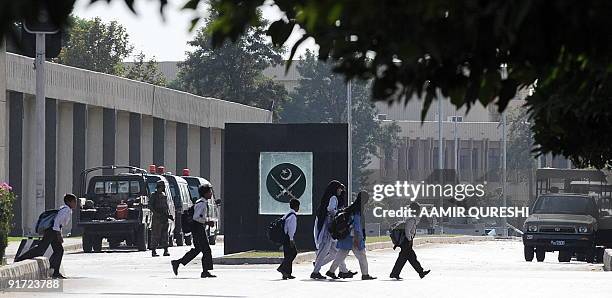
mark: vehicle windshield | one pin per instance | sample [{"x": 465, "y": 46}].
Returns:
[{"x": 564, "y": 205}]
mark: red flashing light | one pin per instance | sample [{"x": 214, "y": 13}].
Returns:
[
  {"x": 186, "y": 172},
  {"x": 152, "y": 169}
]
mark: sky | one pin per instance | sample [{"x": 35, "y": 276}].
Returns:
[{"x": 164, "y": 40}]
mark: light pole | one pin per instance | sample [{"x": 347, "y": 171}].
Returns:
[
  {"x": 350, "y": 140},
  {"x": 504, "y": 76}
]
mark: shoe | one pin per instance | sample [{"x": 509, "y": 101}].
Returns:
[
  {"x": 207, "y": 275},
  {"x": 154, "y": 253},
  {"x": 285, "y": 275},
  {"x": 58, "y": 276},
  {"x": 346, "y": 274},
  {"x": 331, "y": 275},
  {"x": 290, "y": 277},
  {"x": 317, "y": 276},
  {"x": 166, "y": 254},
  {"x": 175, "y": 266},
  {"x": 367, "y": 277},
  {"x": 396, "y": 276},
  {"x": 422, "y": 274}
]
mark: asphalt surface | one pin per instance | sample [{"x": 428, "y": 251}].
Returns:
[{"x": 477, "y": 269}]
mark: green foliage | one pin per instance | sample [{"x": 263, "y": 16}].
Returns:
[
  {"x": 233, "y": 71},
  {"x": 520, "y": 143},
  {"x": 145, "y": 71},
  {"x": 413, "y": 46},
  {"x": 6, "y": 215},
  {"x": 320, "y": 97},
  {"x": 96, "y": 46}
]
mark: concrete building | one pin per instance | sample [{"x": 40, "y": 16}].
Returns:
[{"x": 95, "y": 119}]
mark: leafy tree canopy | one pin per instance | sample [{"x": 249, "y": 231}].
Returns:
[
  {"x": 413, "y": 46},
  {"x": 145, "y": 71}
]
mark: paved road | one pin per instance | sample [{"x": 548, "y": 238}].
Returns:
[{"x": 479, "y": 269}]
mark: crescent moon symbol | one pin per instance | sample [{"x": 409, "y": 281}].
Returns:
[{"x": 286, "y": 177}]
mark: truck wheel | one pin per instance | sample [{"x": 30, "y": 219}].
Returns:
[
  {"x": 590, "y": 256},
  {"x": 97, "y": 244},
  {"x": 540, "y": 254},
  {"x": 528, "y": 253},
  {"x": 87, "y": 243},
  {"x": 581, "y": 257},
  {"x": 565, "y": 256},
  {"x": 142, "y": 238}
]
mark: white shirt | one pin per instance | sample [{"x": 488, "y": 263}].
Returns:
[
  {"x": 411, "y": 225},
  {"x": 290, "y": 224},
  {"x": 332, "y": 207},
  {"x": 63, "y": 217},
  {"x": 200, "y": 211}
]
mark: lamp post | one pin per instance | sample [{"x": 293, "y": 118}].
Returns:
[
  {"x": 504, "y": 76},
  {"x": 350, "y": 139}
]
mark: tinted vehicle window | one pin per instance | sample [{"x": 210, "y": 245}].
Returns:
[{"x": 564, "y": 205}]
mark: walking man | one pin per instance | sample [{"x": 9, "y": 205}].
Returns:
[
  {"x": 407, "y": 253},
  {"x": 53, "y": 237},
  {"x": 198, "y": 231},
  {"x": 159, "y": 224},
  {"x": 289, "y": 249}
]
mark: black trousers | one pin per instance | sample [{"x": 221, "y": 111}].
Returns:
[
  {"x": 50, "y": 237},
  {"x": 200, "y": 243},
  {"x": 289, "y": 253},
  {"x": 406, "y": 254}
]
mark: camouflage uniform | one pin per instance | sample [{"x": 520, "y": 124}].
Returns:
[{"x": 159, "y": 225}]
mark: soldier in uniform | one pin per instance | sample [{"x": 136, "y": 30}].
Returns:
[{"x": 159, "y": 229}]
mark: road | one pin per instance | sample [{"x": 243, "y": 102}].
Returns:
[{"x": 478, "y": 269}]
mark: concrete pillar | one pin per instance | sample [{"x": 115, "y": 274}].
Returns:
[
  {"x": 15, "y": 152},
  {"x": 65, "y": 134},
  {"x": 135, "y": 139},
  {"x": 182, "y": 145},
  {"x": 170, "y": 147},
  {"x": 50, "y": 152},
  {"x": 146, "y": 142},
  {"x": 28, "y": 203},
  {"x": 95, "y": 136},
  {"x": 79, "y": 153},
  {"x": 3, "y": 116},
  {"x": 122, "y": 140},
  {"x": 193, "y": 150},
  {"x": 215, "y": 159},
  {"x": 109, "y": 133},
  {"x": 205, "y": 149}
]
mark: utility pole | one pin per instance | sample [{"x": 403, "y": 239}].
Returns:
[
  {"x": 349, "y": 119},
  {"x": 39, "y": 144},
  {"x": 504, "y": 76},
  {"x": 440, "y": 155}
]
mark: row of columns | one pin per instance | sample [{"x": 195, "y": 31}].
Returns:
[{"x": 79, "y": 136}]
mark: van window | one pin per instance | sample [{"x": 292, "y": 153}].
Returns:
[
  {"x": 110, "y": 187},
  {"x": 124, "y": 187},
  {"x": 99, "y": 188},
  {"x": 134, "y": 187}
]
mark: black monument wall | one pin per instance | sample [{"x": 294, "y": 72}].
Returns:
[{"x": 244, "y": 227}]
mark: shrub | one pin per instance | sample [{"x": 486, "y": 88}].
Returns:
[{"x": 7, "y": 197}]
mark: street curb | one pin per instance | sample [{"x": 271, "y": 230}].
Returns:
[
  {"x": 35, "y": 269},
  {"x": 607, "y": 260},
  {"x": 310, "y": 256}
]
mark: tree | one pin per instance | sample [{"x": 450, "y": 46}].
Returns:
[
  {"x": 320, "y": 97},
  {"x": 520, "y": 143},
  {"x": 96, "y": 46},
  {"x": 413, "y": 46},
  {"x": 145, "y": 71},
  {"x": 233, "y": 71}
]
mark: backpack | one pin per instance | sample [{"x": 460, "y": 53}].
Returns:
[
  {"x": 397, "y": 233},
  {"x": 340, "y": 226},
  {"x": 46, "y": 220},
  {"x": 276, "y": 230},
  {"x": 187, "y": 219}
]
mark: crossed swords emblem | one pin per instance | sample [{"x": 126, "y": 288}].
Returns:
[{"x": 286, "y": 190}]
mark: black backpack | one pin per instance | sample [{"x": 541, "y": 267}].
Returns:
[
  {"x": 187, "y": 219},
  {"x": 276, "y": 230},
  {"x": 340, "y": 226},
  {"x": 397, "y": 232}
]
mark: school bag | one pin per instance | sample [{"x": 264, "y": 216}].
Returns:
[
  {"x": 397, "y": 232},
  {"x": 340, "y": 226},
  {"x": 45, "y": 221},
  {"x": 276, "y": 230},
  {"x": 187, "y": 219}
]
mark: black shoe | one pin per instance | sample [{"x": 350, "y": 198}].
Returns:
[
  {"x": 422, "y": 274},
  {"x": 367, "y": 277},
  {"x": 346, "y": 274},
  {"x": 58, "y": 276},
  {"x": 175, "y": 266},
  {"x": 396, "y": 276},
  {"x": 154, "y": 253},
  {"x": 317, "y": 276},
  {"x": 290, "y": 277},
  {"x": 166, "y": 253},
  {"x": 207, "y": 275},
  {"x": 331, "y": 275},
  {"x": 285, "y": 275}
]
